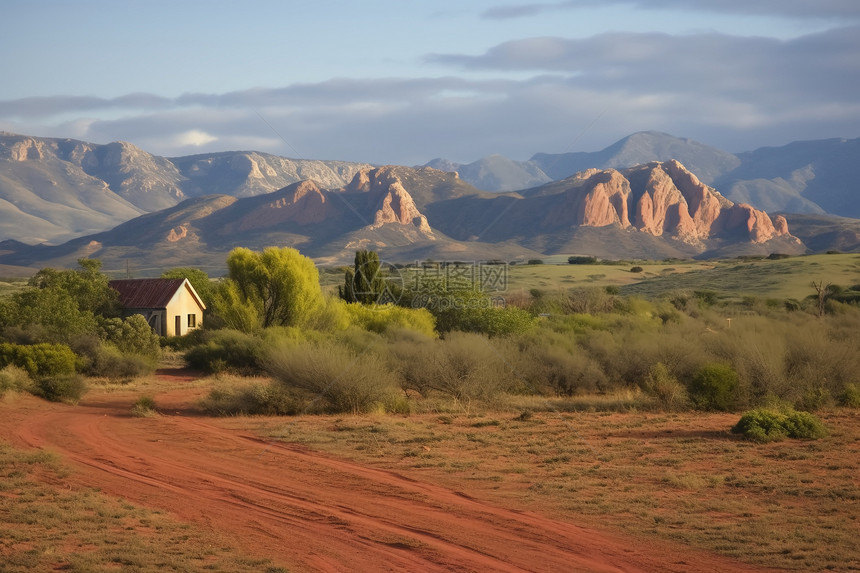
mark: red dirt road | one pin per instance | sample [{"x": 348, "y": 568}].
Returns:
[{"x": 307, "y": 510}]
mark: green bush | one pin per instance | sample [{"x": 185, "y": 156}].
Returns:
[
  {"x": 64, "y": 388},
  {"x": 144, "y": 407},
  {"x": 636, "y": 269},
  {"x": 582, "y": 260},
  {"x": 39, "y": 360},
  {"x": 382, "y": 318},
  {"x": 131, "y": 335},
  {"x": 713, "y": 387},
  {"x": 850, "y": 396},
  {"x": 227, "y": 349},
  {"x": 766, "y": 425}
]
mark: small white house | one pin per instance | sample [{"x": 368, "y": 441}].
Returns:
[{"x": 171, "y": 306}]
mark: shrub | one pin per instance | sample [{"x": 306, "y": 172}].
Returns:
[
  {"x": 382, "y": 318},
  {"x": 582, "y": 260},
  {"x": 766, "y": 425},
  {"x": 339, "y": 379},
  {"x": 670, "y": 394},
  {"x": 39, "y": 360},
  {"x": 15, "y": 379},
  {"x": 713, "y": 387},
  {"x": 227, "y": 349},
  {"x": 636, "y": 269},
  {"x": 242, "y": 396},
  {"x": 132, "y": 335},
  {"x": 144, "y": 407},
  {"x": 467, "y": 367},
  {"x": 850, "y": 396},
  {"x": 64, "y": 388}
]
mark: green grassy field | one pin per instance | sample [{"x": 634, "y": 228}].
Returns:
[{"x": 732, "y": 278}]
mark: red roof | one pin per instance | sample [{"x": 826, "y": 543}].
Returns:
[{"x": 146, "y": 293}]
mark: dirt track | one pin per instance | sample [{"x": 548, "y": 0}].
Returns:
[{"x": 307, "y": 510}]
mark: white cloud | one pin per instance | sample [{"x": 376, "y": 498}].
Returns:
[{"x": 193, "y": 138}]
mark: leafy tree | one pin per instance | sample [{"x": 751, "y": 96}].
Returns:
[
  {"x": 366, "y": 281},
  {"x": 87, "y": 286},
  {"x": 199, "y": 280},
  {"x": 60, "y": 305},
  {"x": 278, "y": 287}
]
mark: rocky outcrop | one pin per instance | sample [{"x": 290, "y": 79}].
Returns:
[
  {"x": 661, "y": 199},
  {"x": 303, "y": 203},
  {"x": 388, "y": 200}
]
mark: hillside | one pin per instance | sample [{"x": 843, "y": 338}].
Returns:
[
  {"x": 652, "y": 211},
  {"x": 52, "y": 190},
  {"x": 814, "y": 177}
]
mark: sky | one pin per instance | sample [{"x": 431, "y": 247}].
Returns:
[{"x": 404, "y": 82}]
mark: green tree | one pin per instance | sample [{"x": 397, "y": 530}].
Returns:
[
  {"x": 199, "y": 280},
  {"x": 87, "y": 286},
  {"x": 365, "y": 282},
  {"x": 277, "y": 287}
]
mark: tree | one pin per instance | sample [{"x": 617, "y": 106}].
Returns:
[
  {"x": 366, "y": 281},
  {"x": 61, "y": 304},
  {"x": 198, "y": 279},
  {"x": 278, "y": 287}
]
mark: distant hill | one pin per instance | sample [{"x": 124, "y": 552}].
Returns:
[
  {"x": 54, "y": 189},
  {"x": 707, "y": 162},
  {"x": 496, "y": 173},
  {"x": 813, "y": 177},
  {"x": 656, "y": 210}
]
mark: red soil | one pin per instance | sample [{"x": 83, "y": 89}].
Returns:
[{"x": 307, "y": 510}]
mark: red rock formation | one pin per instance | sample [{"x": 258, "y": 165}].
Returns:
[
  {"x": 663, "y": 198},
  {"x": 303, "y": 203},
  {"x": 388, "y": 199}
]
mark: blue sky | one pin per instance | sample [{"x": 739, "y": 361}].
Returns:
[{"x": 405, "y": 82}]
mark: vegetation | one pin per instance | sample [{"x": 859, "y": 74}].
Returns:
[
  {"x": 769, "y": 425},
  {"x": 278, "y": 287},
  {"x": 366, "y": 282}
]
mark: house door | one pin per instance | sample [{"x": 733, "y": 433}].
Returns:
[{"x": 177, "y": 331}]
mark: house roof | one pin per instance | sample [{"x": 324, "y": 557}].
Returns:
[{"x": 149, "y": 293}]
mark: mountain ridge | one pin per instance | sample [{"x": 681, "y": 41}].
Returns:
[{"x": 660, "y": 209}]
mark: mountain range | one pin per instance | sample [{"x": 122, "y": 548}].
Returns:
[
  {"x": 814, "y": 177},
  {"x": 407, "y": 214},
  {"x": 636, "y": 199}
]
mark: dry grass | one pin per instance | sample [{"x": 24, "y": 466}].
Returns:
[
  {"x": 47, "y": 526},
  {"x": 684, "y": 477}
]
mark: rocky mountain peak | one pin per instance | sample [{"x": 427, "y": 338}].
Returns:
[
  {"x": 661, "y": 199},
  {"x": 388, "y": 198}
]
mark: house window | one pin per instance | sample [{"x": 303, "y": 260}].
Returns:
[{"x": 192, "y": 321}]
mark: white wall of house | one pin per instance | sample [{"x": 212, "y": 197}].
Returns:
[{"x": 183, "y": 313}]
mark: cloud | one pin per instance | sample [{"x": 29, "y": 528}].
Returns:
[
  {"x": 193, "y": 138},
  {"x": 543, "y": 94},
  {"x": 820, "y": 67},
  {"x": 821, "y": 9}
]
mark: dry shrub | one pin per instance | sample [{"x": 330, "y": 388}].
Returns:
[
  {"x": 242, "y": 396},
  {"x": 333, "y": 376},
  {"x": 669, "y": 392},
  {"x": 15, "y": 379},
  {"x": 464, "y": 366}
]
